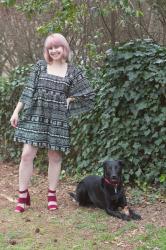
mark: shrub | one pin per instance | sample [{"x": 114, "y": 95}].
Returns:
[
  {"x": 10, "y": 89},
  {"x": 129, "y": 120}
]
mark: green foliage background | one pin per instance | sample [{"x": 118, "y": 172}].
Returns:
[
  {"x": 10, "y": 90},
  {"x": 127, "y": 123},
  {"x": 129, "y": 120}
]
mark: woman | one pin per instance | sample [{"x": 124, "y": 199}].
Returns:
[{"x": 54, "y": 91}]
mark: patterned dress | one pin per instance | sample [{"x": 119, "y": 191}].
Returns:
[{"x": 44, "y": 122}]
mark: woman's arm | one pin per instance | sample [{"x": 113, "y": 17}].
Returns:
[
  {"x": 70, "y": 99},
  {"x": 81, "y": 93},
  {"x": 18, "y": 107},
  {"x": 14, "y": 117}
]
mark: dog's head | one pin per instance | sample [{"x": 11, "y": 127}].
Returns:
[{"x": 113, "y": 170}]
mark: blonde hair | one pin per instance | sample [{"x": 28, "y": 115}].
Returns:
[{"x": 56, "y": 39}]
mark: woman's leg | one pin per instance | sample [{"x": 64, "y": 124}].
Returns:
[
  {"x": 55, "y": 161},
  {"x": 26, "y": 170},
  {"x": 26, "y": 166},
  {"x": 54, "y": 169}
]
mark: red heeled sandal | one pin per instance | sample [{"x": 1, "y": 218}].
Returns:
[
  {"x": 52, "y": 200},
  {"x": 26, "y": 201}
]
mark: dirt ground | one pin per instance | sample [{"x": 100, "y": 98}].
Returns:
[{"x": 152, "y": 213}]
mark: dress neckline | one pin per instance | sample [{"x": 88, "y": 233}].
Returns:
[{"x": 56, "y": 76}]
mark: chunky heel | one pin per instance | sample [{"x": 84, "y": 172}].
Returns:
[
  {"x": 52, "y": 200},
  {"x": 25, "y": 201},
  {"x": 28, "y": 201}
]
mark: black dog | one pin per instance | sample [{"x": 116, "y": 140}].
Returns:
[{"x": 106, "y": 192}]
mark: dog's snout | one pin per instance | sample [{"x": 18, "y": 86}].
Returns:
[{"x": 114, "y": 173}]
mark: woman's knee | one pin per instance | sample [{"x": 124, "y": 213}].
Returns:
[
  {"x": 54, "y": 156},
  {"x": 29, "y": 153}
]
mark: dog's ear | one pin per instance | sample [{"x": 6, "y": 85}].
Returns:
[
  {"x": 104, "y": 167},
  {"x": 121, "y": 163},
  {"x": 102, "y": 182},
  {"x": 104, "y": 163}
]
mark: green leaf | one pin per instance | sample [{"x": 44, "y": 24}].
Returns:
[{"x": 8, "y": 3}]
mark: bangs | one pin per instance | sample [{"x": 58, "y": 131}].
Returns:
[{"x": 53, "y": 41}]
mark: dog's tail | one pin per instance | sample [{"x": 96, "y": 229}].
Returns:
[{"x": 73, "y": 195}]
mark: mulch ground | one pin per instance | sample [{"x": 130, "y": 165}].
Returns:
[{"x": 152, "y": 213}]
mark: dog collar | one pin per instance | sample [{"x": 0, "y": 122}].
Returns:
[{"x": 112, "y": 183}]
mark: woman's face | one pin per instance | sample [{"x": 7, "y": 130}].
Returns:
[{"x": 56, "y": 53}]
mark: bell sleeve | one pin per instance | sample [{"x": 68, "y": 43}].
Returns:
[
  {"x": 83, "y": 94},
  {"x": 29, "y": 89}
]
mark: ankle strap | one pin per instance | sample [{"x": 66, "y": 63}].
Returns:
[
  {"x": 51, "y": 191},
  {"x": 22, "y": 192}
]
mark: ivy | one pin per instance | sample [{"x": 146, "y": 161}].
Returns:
[{"x": 129, "y": 119}]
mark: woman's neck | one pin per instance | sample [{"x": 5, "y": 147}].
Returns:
[{"x": 58, "y": 63}]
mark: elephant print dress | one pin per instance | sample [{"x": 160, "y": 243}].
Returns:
[{"x": 44, "y": 122}]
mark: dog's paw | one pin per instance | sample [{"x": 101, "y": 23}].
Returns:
[
  {"x": 125, "y": 217},
  {"x": 136, "y": 217}
]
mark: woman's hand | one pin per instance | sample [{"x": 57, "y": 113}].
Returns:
[
  {"x": 69, "y": 99},
  {"x": 14, "y": 119}
]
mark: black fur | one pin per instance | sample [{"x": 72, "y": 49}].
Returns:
[{"x": 105, "y": 192}]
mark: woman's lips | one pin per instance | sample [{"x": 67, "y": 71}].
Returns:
[{"x": 55, "y": 54}]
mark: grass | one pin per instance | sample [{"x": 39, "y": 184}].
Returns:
[
  {"x": 153, "y": 238},
  {"x": 76, "y": 228},
  {"x": 81, "y": 230}
]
